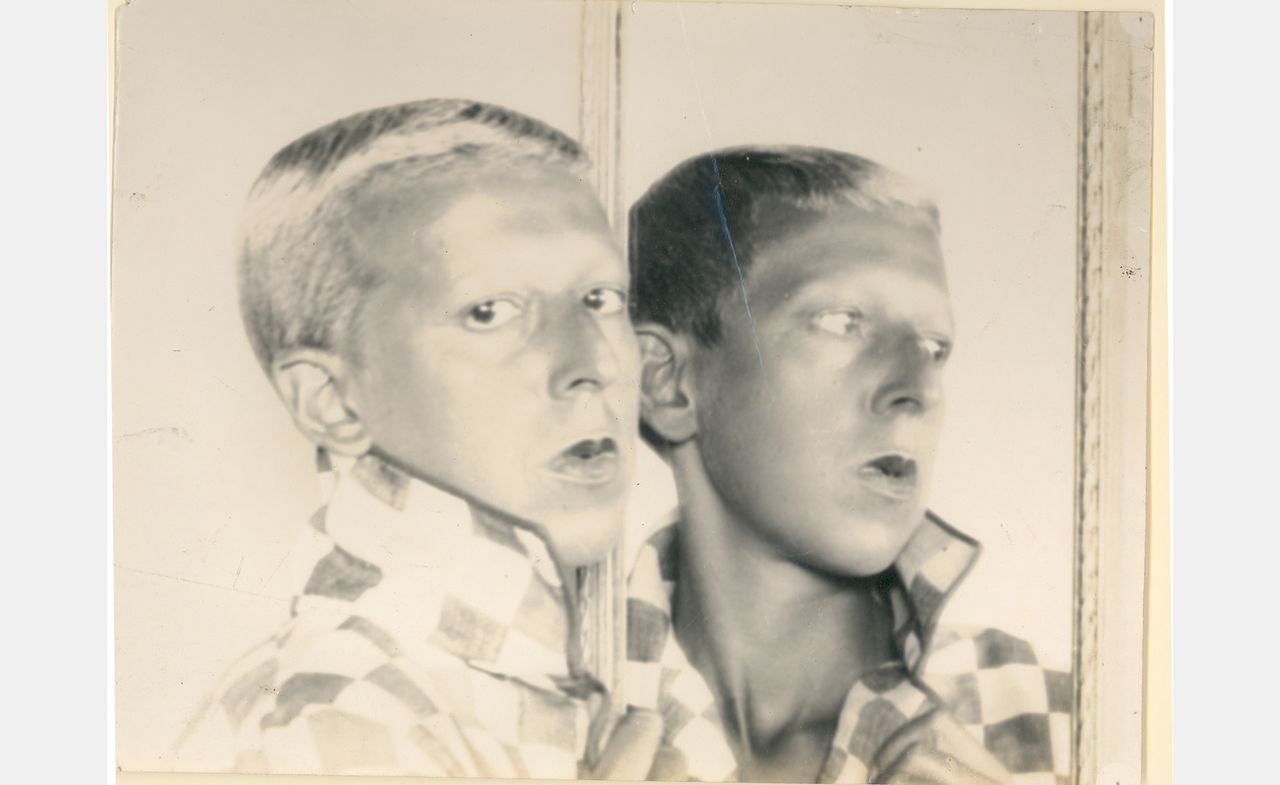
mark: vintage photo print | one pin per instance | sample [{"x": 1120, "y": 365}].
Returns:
[{"x": 679, "y": 391}]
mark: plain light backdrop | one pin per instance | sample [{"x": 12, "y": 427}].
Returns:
[{"x": 211, "y": 481}]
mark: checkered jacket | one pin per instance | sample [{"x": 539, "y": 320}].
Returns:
[
  {"x": 422, "y": 643},
  {"x": 989, "y": 682}
]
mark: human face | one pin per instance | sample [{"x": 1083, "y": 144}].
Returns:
[
  {"x": 819, "y": 411},
  {"x": 495, "y": 356}
]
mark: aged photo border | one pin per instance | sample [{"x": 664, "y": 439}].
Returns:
[
  {"x": 1117, "y": 263},
  {"x": 1111, "y": 415}
]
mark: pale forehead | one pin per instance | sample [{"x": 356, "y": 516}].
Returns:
[
  {"x": 795, "y": 248},
  {"x": 476, "y": 213},
  {"x": 520, "y": 193},
  {"x": 538, "y": 202}
]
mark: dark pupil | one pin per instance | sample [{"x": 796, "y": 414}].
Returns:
[
  {"x": 594, "y": 300},
  {"x": 483, "y": 313}
]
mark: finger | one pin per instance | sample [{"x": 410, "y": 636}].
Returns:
[
  {"x": 920, "y": 766},
  {"x": 631, "y": 748},
  {"x": 900, "y": 770},
  {"x": 917, "y": 732},
  {"x": 954, "y": 740},
  {"x": 937, "y": 730}
]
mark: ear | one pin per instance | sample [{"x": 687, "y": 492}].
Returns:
[
  {"x": 311, "y": 384},
  {"x": 666, "y": 393}
]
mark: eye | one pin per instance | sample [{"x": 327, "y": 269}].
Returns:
[
  {"x": 605, "y": 300},
  {"x": 845, "y": 321},
  {"x": 492, "y": 314},
  {"x": 938, "y": 348}
]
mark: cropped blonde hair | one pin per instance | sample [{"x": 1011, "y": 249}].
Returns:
[{"x": 301, "y": 281}]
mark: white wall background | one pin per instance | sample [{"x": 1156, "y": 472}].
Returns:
[{"x": 211, "y": 482}]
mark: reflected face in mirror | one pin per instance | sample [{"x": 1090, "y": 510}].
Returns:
[
  {"x": 495, "y": 356},
  {"x": 819, "y": 411}
]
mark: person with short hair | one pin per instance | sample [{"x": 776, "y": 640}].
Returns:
[
  {"x": 438, "y": 299},
  {"x": 795, "y": 322}
]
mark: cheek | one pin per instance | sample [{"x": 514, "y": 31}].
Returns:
[
  {"x": 626, "y": 350},
  {"x": 413, "y": 405},
  {"x": 387, "y": 378},
  {"x": 753, "y": 438},
  {"x": 809, "y": 405},
  {"x": 438, "y": 395},
  {"x": 477, "y": 399}
]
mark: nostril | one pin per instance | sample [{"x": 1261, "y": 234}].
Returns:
[
  {"x": 908, "y": 402},
  {"x": 584, "y": 381},
  {"x": 900, "y": 399}
]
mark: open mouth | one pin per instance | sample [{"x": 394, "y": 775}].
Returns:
[
  {"x": 891, "y": 475},
  {"x": 590, "y": 461}
]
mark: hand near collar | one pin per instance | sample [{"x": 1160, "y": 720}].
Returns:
[
  {"x": 629, "y": 753},
  {"x": 934, "y": 750}
]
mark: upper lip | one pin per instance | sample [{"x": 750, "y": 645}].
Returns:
[
  {"x": 891, "y": 452},
  {"x": 595, "y": 439},
  {"x": 897, "y": 466}
]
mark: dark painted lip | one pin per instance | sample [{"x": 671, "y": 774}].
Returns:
[
  {"x": 895, "y": 476},
  {"x": 592, "y": 460}
]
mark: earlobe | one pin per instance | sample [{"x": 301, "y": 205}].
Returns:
[
  {"x": 309, "y": 383},
  {"x": 666, "y": 397}
]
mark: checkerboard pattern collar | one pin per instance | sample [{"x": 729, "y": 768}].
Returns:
[
  {"x": 928, "y": 571},
  {"x": 489, "y": 595},
  {"x": 423, "y": 642},
  {"x": 932, "y": 565}
]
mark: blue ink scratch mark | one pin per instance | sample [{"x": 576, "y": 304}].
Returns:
[{"x": 717, "y": 195}]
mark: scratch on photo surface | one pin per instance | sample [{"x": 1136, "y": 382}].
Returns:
[
  {"x": 717, "y": 196},
  {"x": 161, "y": 431},
  {"x": 279, "y": 564},
  {"x": 192, "y": 581},
  {"x": 229, "y": 387}
]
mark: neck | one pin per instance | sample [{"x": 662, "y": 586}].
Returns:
[
  {"x": 426, "y": 531},
  {"x": 779, "y": 643},
  {"x": 570, "y": 590}
]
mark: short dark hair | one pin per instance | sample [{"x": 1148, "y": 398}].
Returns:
[
  {"x": 300, "y": 283},
  {"x": 693, "y": 233}
]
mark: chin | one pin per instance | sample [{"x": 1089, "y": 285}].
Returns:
[
  {"x": 869, "y": 549},
  {"x": 860, "y": 565},
  {"x": 585, "y": 538}
]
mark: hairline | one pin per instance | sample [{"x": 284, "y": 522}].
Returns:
[
  {"x": 806, "y": 205},
  {"x": 307, "y": 195}
]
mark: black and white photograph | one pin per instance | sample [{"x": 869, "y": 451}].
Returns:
[{"x": 673, "y": 391}]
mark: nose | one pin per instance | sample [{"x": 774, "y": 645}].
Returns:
[
  {"x": 582, "y": 358},
  {"x": 910, "y": 380}
]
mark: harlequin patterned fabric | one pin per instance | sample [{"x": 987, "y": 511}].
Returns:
[
  {"x": 422, "y": 642},
  {"x": 990, "y": 682}
]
